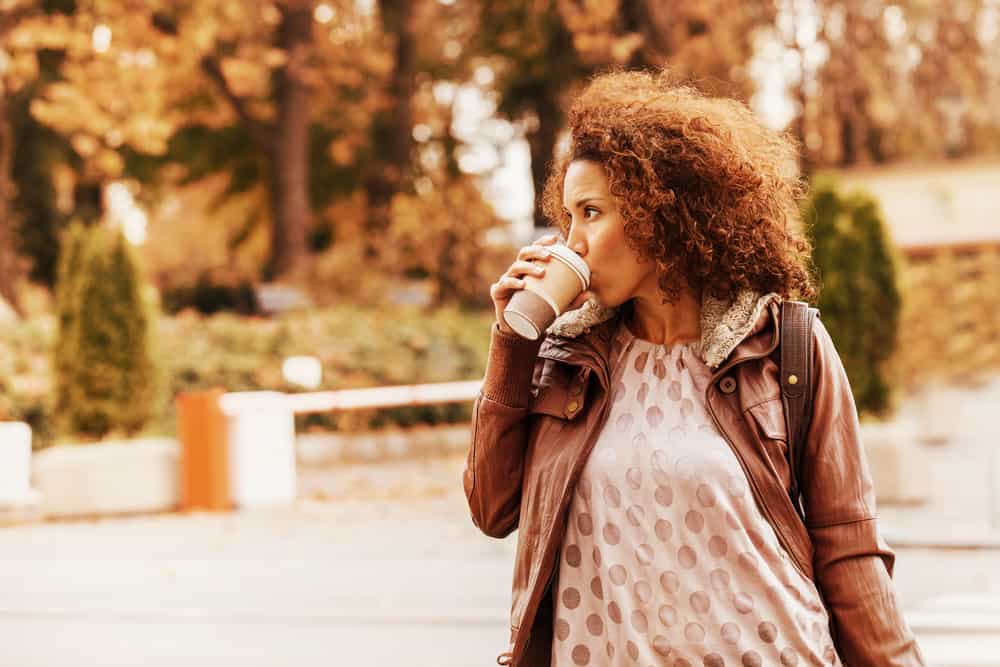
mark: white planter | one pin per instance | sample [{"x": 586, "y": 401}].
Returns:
[
  {"x": 15, "y": 464},
  {"x": 121, "y": 477},
  {"x": 261, "y": 449},
  {"x": 939, "y": 413},
  {"x": 899, "y": 467}
]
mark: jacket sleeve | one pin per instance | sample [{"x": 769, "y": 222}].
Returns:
[
  {"x": 495, "y": 463},
  {"x": 852, "y": 563}
]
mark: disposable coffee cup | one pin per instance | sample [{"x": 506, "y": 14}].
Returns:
[{"x": 532, "y": 309}]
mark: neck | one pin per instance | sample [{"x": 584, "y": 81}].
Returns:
[{"x": 665, "y": 323}]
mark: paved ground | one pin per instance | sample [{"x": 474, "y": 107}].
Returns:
[
  {"x": 380, "y": 565},
  {"x": 349, "y": 583}
]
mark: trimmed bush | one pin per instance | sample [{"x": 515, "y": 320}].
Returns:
[
  {"x": 67, "y": 277},
  {"x": 357, "y": 347},
  {"x": 859, "y": 300},
  {"x": 104, "y": 364}
]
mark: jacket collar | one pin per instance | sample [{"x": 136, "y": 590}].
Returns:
[{"x": 724, "y": 324}]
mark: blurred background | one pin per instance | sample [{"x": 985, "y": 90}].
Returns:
[{"x": 234, "y": 236}]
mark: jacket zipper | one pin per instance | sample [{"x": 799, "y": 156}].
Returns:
[
  {"x": 746, "y": 470},
  {"x": 576, "y": 471}
]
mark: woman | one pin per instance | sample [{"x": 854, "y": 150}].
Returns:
[{"x": 640, "y": 447}]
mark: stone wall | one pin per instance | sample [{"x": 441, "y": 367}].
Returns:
[{"x": 950, "y": 323}]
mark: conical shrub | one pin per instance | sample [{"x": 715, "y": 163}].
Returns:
[
  {"x": 104, "y": 348},
  {"x": 859, "y": 293},
  {"x": 68, "y": 273}
]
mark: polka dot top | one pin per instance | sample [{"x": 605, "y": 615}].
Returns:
[{"x": 667, "y": 559}]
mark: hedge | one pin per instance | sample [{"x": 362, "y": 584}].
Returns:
[{"x": 357, "y": 347}]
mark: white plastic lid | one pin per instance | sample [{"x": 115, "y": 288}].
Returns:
[{"x": 573, "y": 260}]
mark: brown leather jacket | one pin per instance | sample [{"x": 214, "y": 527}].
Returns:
[{"x": 543, "y": 404}]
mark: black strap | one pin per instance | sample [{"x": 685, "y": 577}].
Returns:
[{"x": 796, "y": 384}]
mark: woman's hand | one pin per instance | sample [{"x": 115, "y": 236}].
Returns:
[{"x": 512, "y": 280}]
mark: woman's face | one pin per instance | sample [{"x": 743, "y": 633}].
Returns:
[{"x": 597, "y": 233}]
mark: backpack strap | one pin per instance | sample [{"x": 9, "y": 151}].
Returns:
[{"x": 796, "y": 384}]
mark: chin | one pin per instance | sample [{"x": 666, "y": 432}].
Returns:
[{"x": 606, "y": 302}]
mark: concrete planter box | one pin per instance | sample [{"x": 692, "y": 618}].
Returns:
[
  {"x": 261, "y": 449},
  {"x": 899, "y": 467},
  {"x": 15, "y": 463},
  {"x": 320, "y": 449},
  {"x": 124, "y": 477},
  {"x": 938, "y": 413},
  {"x": 18, "y": 501}
]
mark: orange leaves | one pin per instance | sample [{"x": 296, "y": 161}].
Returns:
[
  {"x": 245, "y": 77},
  {"x": 594, "y": 25}
]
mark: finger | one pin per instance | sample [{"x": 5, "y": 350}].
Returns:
[
  {"x": 548, "y": 239},
  {"x": 533, "y": 252},
  {"x": 506, "y": 284},
  {"x": 524, "y": 267}
]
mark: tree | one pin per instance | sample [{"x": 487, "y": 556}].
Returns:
[
  {"x": 543, "y": 50},
  {"x": 70, "y": 261},
  {"x": 137, "y": 74},
  {"x": 882, "y": 81},
  {"x": 391, "y": 143},
  {"x": 106, "y": 374},
  {"x": 859, "y": 299},
  {"x": 18, "y": 68}
]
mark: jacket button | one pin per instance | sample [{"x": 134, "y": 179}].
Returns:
[
  {"x": 573, "y": 406},
  {"x": 727, "y": 385},
  {"x": 793, "y": 379}
]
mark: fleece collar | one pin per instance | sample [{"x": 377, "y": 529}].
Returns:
[{"x": 724, "y": 324}]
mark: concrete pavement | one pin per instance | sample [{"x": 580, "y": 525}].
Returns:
[
  {"x": 354, "y": 583},
  {"x": 381, "y": 565}
]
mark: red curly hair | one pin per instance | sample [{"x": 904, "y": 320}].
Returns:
[{"x": 706, "y": 191}]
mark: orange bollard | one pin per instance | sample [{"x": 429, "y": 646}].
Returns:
[{"x": 204, "y": 455}]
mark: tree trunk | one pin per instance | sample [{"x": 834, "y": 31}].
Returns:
[
  {"x": 10, "y": 262},
  {"x": 543, "y": 143},
  {"x": 800, "y": 127},
  {"x": 392, "y": 131},
  {"x": 289, "y": 149}
]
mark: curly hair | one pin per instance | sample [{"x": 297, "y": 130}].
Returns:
[{"x": 705, "y": 190}]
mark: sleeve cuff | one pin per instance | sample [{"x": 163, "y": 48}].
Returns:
[{"x": 509, "y": 368}]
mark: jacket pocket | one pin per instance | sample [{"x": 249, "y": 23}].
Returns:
[{"x": 772, "y": 433}]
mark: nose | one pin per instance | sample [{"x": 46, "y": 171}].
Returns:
[{"x": 576, "y": 242}]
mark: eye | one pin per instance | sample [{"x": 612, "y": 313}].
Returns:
[{"x": 586, "y": 213}]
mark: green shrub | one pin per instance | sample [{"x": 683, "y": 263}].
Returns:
[
  {"x": 67, "y": 279},
  {"x": 859, "y": 295},
  {"x": 357, "y": 347},
  {"x": 25, "y": 384},
  {"x": 104, "y": 361}
]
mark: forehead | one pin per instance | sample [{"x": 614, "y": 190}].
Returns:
[{"x": 584, "y": 178}]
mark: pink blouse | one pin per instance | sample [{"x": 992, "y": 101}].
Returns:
[{"x": 667, "y": 560}]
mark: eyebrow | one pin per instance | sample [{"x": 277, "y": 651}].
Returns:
[{"x": 583, "y": 201}]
